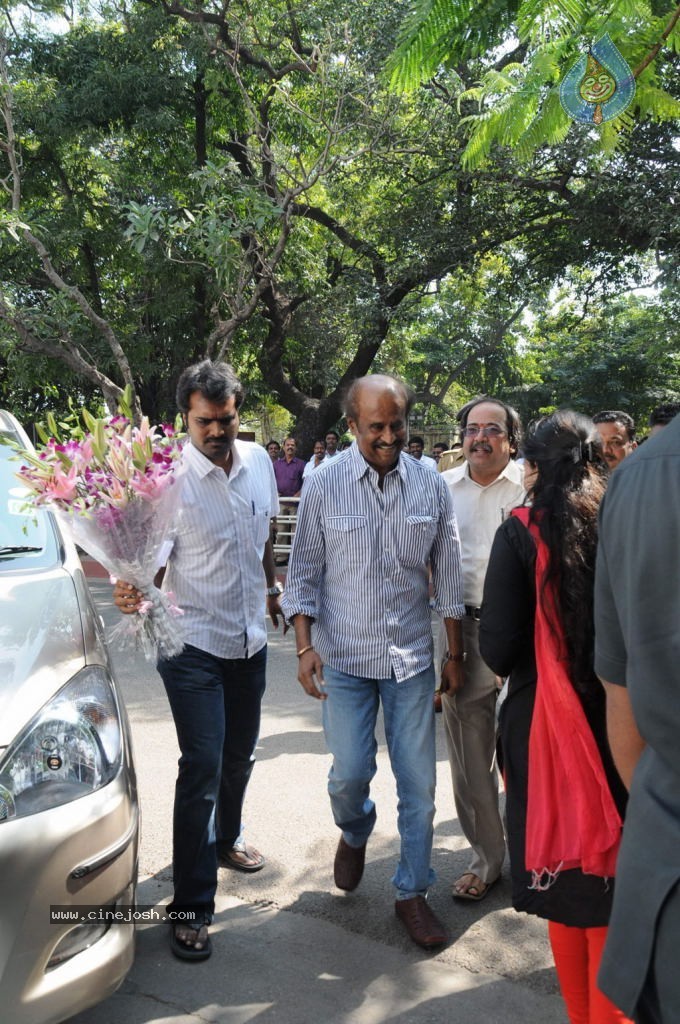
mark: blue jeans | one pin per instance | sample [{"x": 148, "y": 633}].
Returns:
[
  {"x": 215, "y": 703},
  {"x": 349, "y": 719}
]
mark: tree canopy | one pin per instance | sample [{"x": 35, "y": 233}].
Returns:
[
  {"x": 506, "y": 59},
  {"x": 192, "y": 179}
]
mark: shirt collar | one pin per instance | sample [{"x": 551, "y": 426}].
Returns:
[
  {"x": 203, "y": 466},
  {"x": 511, "y": 472},
  {"x": 361, "y": 467}
]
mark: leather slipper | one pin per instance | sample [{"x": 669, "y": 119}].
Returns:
[
  {"x": 242, "y": 858},
  {"x": 185, "y": 951},
  {"x": 477, "y": 891}
]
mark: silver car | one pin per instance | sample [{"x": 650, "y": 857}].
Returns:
[{"x": 69, "y": 818}]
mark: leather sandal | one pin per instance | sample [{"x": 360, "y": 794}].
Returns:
[
  {"x": 242, "y": 858},
  {"x": 477, "y": 890}
]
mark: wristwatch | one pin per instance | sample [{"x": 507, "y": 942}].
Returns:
[
  {"x": 456, "y": 657},
  {"x": 274, "y": 591}
]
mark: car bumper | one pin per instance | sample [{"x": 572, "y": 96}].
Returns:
[{"x": 81, "y": 854}]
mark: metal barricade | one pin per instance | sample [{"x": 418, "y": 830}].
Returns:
[{"x": 283, "y": 528}]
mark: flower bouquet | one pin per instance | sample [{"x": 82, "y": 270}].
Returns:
[{"x": 116, "y": 488}]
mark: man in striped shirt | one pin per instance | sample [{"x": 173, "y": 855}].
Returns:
[
  {"x": 370, "y": 528},
  {"x": 221, "y": 572}
]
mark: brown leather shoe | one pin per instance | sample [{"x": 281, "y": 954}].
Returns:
[
  {"x": 420, "y": 922},
  {"x": 349, "y": 865}
]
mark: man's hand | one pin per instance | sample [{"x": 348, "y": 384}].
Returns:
[
  {"x": 451, "y": 677},
  {"x": 310, "y": 673},
  {"x": 274, "y": 609},
  {"x": 126, "y": 597},
  {"x": 625, "y": 741}
]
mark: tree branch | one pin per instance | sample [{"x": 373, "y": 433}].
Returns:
[
  {"x": 673, "y": 20},
  {"x": 101, "y": 325},
  {"x": 64, "y": 350}
]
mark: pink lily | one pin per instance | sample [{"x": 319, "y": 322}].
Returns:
[{"x": 62, "y": 486}]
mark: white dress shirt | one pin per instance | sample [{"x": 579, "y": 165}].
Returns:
[
  {"x": 311, "y": 466},
  {"x": 215, "y": 568},
  {"x": 479, "y": 513},
  {"x": 425, "y": 460}
]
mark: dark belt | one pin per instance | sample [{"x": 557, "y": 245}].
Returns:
[{"x": 473, "y": 613}]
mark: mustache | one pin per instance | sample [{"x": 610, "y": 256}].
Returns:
[{"x": 482, "y": 446}]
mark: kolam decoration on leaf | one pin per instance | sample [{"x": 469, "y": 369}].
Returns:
[{"x": 600, "y": 86}]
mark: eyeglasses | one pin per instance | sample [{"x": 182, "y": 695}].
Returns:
[
  {"x": 490, "y": 429},
  {"x": 615, "y": 442}
]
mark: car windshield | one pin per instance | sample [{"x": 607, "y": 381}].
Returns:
[{"x": 26, "y": 537}]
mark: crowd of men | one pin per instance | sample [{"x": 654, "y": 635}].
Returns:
[
  {"x": 384, "y": 535},
  {"x": 616, "y": 428}
]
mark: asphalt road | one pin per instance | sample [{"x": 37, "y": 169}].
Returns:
[{"x": 289, "y": 947}]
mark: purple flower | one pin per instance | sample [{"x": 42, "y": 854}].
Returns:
[{"x": 108, "y": 518}]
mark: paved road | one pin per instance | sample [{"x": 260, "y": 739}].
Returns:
[{"x": 289, "y": 947}]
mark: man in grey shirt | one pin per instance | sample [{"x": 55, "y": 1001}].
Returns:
[
  {"x": 637, "y": 656},
  {"x": 370, "y": 526}
]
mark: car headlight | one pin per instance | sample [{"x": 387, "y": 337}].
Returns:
[{"x": 72, "y": 747}]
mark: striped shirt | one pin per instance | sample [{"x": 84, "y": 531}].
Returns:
[
  {"x": 215, "y": 566},
  {"x": 359, "y": 565}
]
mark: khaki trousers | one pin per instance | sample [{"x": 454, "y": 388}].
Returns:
[{"x": 470, "y": 725}]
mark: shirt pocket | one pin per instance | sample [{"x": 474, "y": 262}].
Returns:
[
  {"x": 416, "y": 539},
  {"x": 347, "y": 538},
  {"x": 261, "y": 525}
]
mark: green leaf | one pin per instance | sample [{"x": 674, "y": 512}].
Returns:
[
  {"x": 98, "y": 440},
  {"x": 89, "y": 420},
  {"x": 125, "y": 403},
  {"x": 42, "y": 433},
  {"x": 139, "y": 456},
  {"x": 52, "y": 426}
]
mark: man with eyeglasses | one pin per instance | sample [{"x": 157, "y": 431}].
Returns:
[
  {"x": 617, "y": 430},
  {"x": 484, "y": 489}
]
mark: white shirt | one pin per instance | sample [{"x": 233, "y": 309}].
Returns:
[
  {"x": 215, "y": 566},
  {"x": 425, "y": 460},
  {"x": 360, "y": 560},
  {"x": 479, "y": 513},
  {"x": 311, "y": 466}
]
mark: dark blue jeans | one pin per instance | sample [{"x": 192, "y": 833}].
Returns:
[{"x": 215, "y": 703}]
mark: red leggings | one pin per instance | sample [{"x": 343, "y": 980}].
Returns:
[{"x": 577, "y": 953}]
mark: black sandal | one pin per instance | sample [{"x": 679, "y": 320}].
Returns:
[{"x": 183, "y": 949}]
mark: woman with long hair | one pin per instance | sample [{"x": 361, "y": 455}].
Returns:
[{"x": 564, "y": 798}]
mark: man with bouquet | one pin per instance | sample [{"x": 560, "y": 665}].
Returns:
[{"x": 220, "y": 570}]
